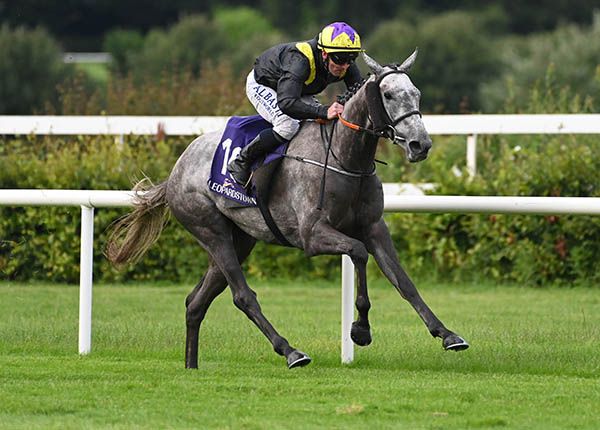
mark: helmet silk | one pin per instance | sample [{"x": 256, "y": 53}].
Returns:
[{"x": 339, "y": 37}]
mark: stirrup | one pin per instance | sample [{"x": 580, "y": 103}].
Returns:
[
  {"x": 249, "y": 182},
  {"x": 243, "y": 185}
]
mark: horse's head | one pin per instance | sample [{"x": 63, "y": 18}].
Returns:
[{"x": 393, "y": 102}]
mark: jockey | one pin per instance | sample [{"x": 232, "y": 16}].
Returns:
[{"x": 284, "y": 81}]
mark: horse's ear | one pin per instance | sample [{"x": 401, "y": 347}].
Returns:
[
  {"x": 373, "y": 65},
  {"x": 409, "y": 61}
]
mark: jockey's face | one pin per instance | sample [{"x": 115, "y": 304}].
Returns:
[{"x": 337, "y": 70}]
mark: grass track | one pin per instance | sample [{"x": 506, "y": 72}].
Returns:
[{"x": 534, "y": 361}]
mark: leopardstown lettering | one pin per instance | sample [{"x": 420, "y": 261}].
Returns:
[{"x": 232, "y": 193}]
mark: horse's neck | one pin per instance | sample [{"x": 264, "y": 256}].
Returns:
[{"x": 355, "y": 150}]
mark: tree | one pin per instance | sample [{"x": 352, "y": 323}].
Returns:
[
  {"x": 183, "y": 46},
  {"x": 455, "y": 55},
  {"x": 30, "y": 69},
  {"x": 246, "y": 33},
  {"x": 571, "y": 54}
]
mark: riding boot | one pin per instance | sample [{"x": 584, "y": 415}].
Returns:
[{"x": 239, "y": 169}]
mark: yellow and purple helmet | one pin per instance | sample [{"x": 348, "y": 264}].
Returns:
[{"x": 339, "y": 37}]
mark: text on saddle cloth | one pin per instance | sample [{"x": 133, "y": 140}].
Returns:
[{"x": 239, "y": 131}]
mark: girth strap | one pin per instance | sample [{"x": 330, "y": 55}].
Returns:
[{"x": 262, "y": 181}]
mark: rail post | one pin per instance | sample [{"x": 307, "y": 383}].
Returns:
[
  {"x": 472, "y": 155},
  {"x": 347, "y": 308},
  {"x": 85, "y": 279}
]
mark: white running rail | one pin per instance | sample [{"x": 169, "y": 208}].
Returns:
[
  {"x": 469, "y": 125},
  {"x": 88, "y": 200}
]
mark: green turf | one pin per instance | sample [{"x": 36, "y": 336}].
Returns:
[{"x": 534, "y": 361}]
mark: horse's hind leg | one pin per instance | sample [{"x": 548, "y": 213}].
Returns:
[
  {"x": 199, "y": 300},
  {"x": 217, "y": 240},
  {"x": 379, "y": 243},
  {"x": 210, "y": 286},
  {"x": 245, "y": 300}
]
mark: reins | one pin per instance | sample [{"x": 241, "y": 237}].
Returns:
[
  {"x": 327, "y": 152},
  {"x": 383, "y": 126},
  {"x": 359, "y": 128}
]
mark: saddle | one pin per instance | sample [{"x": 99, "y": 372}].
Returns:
[{"x": 240, "y": 131}]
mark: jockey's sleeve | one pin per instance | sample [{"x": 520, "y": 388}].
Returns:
[{"x": 289, "y": 93}]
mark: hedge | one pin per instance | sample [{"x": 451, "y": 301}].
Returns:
[{"x": 43, "y": 243}]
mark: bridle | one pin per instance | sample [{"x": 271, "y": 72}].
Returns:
[{"x": 383, "y": 124}]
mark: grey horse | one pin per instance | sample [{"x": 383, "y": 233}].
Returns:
[{"x": 350, "y": 221}]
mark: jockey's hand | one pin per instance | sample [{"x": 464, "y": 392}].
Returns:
[{"x": 334, "y": 110}]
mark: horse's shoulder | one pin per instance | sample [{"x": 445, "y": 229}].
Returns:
[{"x": 307, "y": 142}]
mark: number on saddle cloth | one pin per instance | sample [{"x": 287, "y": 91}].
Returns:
[{"x": 239, "y": 131}]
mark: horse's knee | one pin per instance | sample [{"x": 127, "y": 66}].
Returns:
[
  {"x": 408, "y": 291},
  {"x": 189, "y": 298},
  {"x": 245, "y": 299},
  {"x": 359, "y": 254},
  {"x": 192, "y": 317},
  {"x": 363, "y": 304},
  {"x": 193, "y": 293}
]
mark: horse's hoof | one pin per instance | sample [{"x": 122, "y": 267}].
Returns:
[
  {"x": 297, "y": 359},
  {"x": 360, "y": 335},
  {"x": 455, "y": 343}
]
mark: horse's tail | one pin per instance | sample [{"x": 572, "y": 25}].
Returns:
[{"x": 131, "y": 235}]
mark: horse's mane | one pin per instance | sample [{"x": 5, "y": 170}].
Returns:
[{"x": 343, "y": 98}]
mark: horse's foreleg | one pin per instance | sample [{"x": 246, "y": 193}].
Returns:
[
  {"x": 324, "y": 239},
  {"x": 380, "y": 245}
]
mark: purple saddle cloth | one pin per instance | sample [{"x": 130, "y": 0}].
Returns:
[{"x": 239, "y": 131}]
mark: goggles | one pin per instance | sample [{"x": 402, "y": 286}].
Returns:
[{"x": 341, "y": 58}]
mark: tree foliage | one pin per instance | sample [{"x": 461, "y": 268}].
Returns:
[
  {"x": 80, "y": 25},
  {"x": 30, "y": 68},
  {"x": 122, "y": 45},
  {"x": 183, "y": 46},
  {"x": 467, "y": 63},
  {"x": 455, "y": 55},
  {"x": 570, "y": 53}
]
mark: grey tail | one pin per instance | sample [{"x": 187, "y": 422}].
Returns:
[{"x": 132, "y": 235}]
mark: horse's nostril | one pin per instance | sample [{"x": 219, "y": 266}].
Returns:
[{"x": 415, "y": 146}]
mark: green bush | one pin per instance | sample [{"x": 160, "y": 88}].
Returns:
[
  {"x": 216, "y": 91},
  {"x": 525, "y": 249},
  {"x": 30, "y": 69},
  {"x": 234, "y": 35},
  {"x": 529, "y": 250},
  {"x": 42, "y": 243},
  {"x": 246, "y": 34}
]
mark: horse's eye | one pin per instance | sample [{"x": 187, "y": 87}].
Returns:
[{"x": 388, "y": 95}]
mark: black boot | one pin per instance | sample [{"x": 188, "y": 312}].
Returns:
[{"x": 266, "y": 141}]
